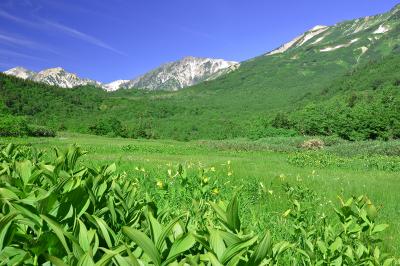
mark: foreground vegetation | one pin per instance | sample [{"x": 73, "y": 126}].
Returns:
[{"x": 287, "y": 200}]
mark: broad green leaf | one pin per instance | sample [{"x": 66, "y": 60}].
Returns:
[
  {"x": 179, "y": 246},
  {"x": 379, "y": 228},
  {"x": 235, "y": 249},
  {"x": 6, "y": 194},
  {"x": 86, "y": 260},
  {"x": 144, "y": 242},
  {"x": 262, "y": 250},
  {"x": 24, "y": 170},
  {"x": 211, "y": 258},
  {"x": 54, "y": 260},
  {"x": 336, "y": 245},
  {"x": 155, "y": 226},
  {"x": 166, "y": 231},
  {"x": 109, "y": 255},
  {"x": 57, "y": 229},
  {"x": 83, "y": 237},
  {"x": 105, "y": 229},
  {"x": 220, "y": 212},
  {"x": 217, "y": 243},
  {"x": 232, "y": 214},
  {"x": 5, "y": 223}
]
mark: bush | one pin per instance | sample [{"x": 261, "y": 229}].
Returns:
[
  {"x": 13, "y": 126},
  {"x": 40, "y": 131},
  {"x": 109, "y": 127}
]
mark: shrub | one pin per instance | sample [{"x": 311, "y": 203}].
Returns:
[
  {"x": 13, "y": 126},
  {"x": 313, "y": 144},
  {"x": 109, "y": 127},
  {"x": 40, "y": 131}
]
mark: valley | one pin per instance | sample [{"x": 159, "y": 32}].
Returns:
[{"x": 291, "y": 157}]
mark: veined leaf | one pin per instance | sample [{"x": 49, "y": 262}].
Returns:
[
  {"x": 165, "y": 232},
  {"x": 232, "y": 214},
  {"x": 144, "y": 242},
  {"x": 86, "y": 260},
  {"x": 262, "y": 250},
  {"x": 235, "y": 249},
  {"x": 217, "y": 243},
  {"x": 179, "y": 246},
  {"x": 54, "y": 260},
  {"x": 109, "y": 255},
  {"x": 24, "y": 170}
]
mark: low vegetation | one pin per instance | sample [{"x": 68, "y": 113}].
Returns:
[{"x": 68, "y": 213}]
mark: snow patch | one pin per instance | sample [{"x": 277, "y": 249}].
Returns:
[
  {"x": 300, "y": 40},
  {"x": 363, "y": 49},
  {"x": 382, "y": 29},
  {"x": 318, "y": 40},
  {"x": 333, "y": 48},
  {"x": 285, "y": 47},
  {"x": 354, "y": 40},
  {"x": 311, "y": 34},
  {"x": 115, "y": 85},
  {"x": 328, "y": 49}
]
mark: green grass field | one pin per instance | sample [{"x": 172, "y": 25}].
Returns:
[{"x": 341, "y": 169}]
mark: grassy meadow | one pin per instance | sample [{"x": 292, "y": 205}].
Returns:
[{"x": 257, "y": 170}]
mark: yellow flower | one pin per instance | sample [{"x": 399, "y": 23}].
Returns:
[
  {"x": 230, "y": 173},
  {"x": 215, "y": 191},
  {"x": 205, "y": 180},
  {"x": 160, "y": 184},
  {"x": 212, "y": 169},
  {"x": 286, "y": 213},
  {"x": 229, "y": 162}
]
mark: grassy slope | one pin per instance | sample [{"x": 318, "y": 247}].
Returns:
[
  {"x": 252, "y": 162},
  {"x": 224, "y": 108}
]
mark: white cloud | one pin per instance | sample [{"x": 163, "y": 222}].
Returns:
[{"x": 42, "y": 24}]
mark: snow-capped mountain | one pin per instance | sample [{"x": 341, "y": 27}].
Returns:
[
  {"x": 115, "y": 85},
  {"x": 52, "y": 76},
  {"x": 359, "y": 35},
  {"x": 172, "y": 76},
  {"x": 20, "y": 72},
  {"x": 180, "y": 74}
]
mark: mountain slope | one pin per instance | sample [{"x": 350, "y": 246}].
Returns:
[
  {"x": 52, "y": 76},
  {"x": 240, "y": 103},
  {"x": 180, "y": 74},
  {"x": 172, "y": 76}
]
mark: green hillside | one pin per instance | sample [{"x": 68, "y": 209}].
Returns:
[{"x": 319, "y": 65}]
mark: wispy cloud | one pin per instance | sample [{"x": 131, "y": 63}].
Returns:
[
  {"x": 14, "y": 40},
  {"x": 8, "y": 53},
  {"x": 43, "y": 24},
  {"x": 81, "y": 36},
  {"x": 25, "y": 22}
]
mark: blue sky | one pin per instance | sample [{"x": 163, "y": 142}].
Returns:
[{"x": 120, "y": 39}]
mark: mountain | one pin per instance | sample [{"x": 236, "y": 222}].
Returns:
[
  {"x": 172, "y": 76},
  {"x": 359, "y": 35},
  {"x": 20, "y": 72},
  {"x": 314, "y": 67},
  {"x": 180, "y": 74},
  {"x": 52, "y": 76},
  {"x": 115, "y": 85}
]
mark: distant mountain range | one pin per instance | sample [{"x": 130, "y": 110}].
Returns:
[
  {"x": 353, "y": 41},
  {"x": 171, "y": 76}
]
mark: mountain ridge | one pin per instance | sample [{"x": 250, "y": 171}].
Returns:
[{"x": 170, "y": 76}]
